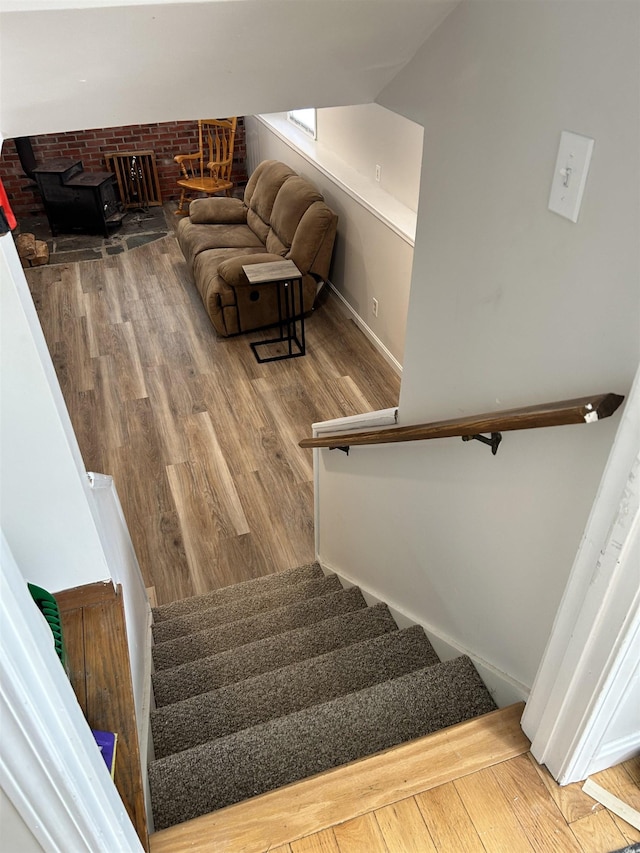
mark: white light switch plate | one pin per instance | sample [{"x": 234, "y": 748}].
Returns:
[{"x": 570, "y": 175}]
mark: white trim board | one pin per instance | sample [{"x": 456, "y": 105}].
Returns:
[
  {"x": 145, "y": 737},
  {"x": 125, "y": 570},
  {"x": 613, "y": 803},
  {"x": 50, "y": 768},
  {"x": 622, "y": 749},
  {"x": 393, "y": 213},
  {"x": 587, "y": 669},
  {"x": 353, "y": 423}
]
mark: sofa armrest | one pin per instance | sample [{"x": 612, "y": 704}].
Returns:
[
  {"x": 213, "y": 211},
  {"x": 231, "y": 270}
]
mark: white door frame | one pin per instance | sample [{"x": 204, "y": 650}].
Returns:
[
  {"x": 50, "y": 766},
  {"x": 588, "y": 667}
]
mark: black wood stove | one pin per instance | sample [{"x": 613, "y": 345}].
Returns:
[{"x": 75, "y": 200}]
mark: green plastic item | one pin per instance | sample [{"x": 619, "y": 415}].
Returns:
[{"x": 48, "y": 606}]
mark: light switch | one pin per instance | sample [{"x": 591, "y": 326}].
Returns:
[{"x": 570, "y": 175}]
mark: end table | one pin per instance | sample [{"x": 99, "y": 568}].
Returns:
[{"x": 284, "y": 274}]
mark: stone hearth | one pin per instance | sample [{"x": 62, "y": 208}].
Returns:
[{"x": 138, "y": 228}]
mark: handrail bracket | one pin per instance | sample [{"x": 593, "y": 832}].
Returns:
[
  {"x": 493, "y": 442},
  {"x": 344, "y": 448}
]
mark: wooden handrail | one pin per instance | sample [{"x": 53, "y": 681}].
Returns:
[{"x": 579, "y": 411}]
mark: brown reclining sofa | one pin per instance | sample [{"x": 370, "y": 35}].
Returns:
[{"x": 281, "y": 216}]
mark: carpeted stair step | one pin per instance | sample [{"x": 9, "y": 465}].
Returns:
[
  {"x": 210, "y": 642},
  {"x": 301, "y": 685},
  {"x": 211, "y": 673},
  {"x": 236, "y": 591},
  {"x": 233, "y": 611},
  {"x": 281, "y": 751}
]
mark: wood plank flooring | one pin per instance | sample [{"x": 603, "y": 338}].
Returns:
[
  {"x": 200, "y": 439},
  {"x": 505, "y": 807}
]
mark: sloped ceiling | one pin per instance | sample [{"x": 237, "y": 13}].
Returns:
[{"x": 106, "y": 65}]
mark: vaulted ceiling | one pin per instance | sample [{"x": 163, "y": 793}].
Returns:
[{"x": 67, "y": 64}]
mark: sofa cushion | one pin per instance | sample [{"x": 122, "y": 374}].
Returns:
[
  {"x": 226, "y": 305},
  {"x": 206, "y": 273},
  {"x": 260, "y": 197},
  {"x": 195, "y": 239},
  {"x": 313, "y": 241},
  {"x": 293, "y": 200},
  {"x": 214, "y": 211}
]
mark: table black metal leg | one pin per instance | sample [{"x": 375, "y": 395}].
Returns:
[{"x": 288, "y": 318}]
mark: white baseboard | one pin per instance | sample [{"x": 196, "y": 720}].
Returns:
[
  {"x": 616, "y": 752},
  {"x": 360, "y": 323},
  {"x": 504, "y": 689}
]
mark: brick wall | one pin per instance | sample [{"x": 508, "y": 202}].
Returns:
[{"x": 90, "y": 146}]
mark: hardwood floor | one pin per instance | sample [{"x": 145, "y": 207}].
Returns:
[
  {"x": 200, "y": 439},
  {"x": 506, "y": 807}
]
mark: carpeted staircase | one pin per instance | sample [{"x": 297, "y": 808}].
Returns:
[{"x": 266, "y": 682}]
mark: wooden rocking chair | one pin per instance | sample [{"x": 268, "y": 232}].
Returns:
[{"x": 209, "y": 170}]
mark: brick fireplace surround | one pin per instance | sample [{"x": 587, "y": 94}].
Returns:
[{"x": 166, "y": 139}]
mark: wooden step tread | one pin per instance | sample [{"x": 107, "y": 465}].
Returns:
[{"x": 339, "y": 795}]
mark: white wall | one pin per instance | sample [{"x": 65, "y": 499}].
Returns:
[
  {"x": 45, "y": 502},
  {"x": 368, "y": 135},
  {"x": 62, "y": 532},
  {"x": 510, "y": 304},
  {"x": 70, "y": 68},
  {"x": 371, "y": 258},
  {"x": 498, "y": 279}
]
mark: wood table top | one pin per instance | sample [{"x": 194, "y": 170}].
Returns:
[{"x": 274, "y": 271}]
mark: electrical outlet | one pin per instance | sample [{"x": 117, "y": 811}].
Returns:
[
  {"x": 374, "y": 307},
  {"x": 378, "y": 172}
]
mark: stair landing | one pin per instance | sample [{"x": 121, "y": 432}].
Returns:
[{"x": 312, "y": 805}]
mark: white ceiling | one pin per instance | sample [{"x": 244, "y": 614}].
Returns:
[{"x": 107, "y": 65}]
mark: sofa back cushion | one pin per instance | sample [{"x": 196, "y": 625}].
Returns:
[
  {"x": 312, "y": 244},
  {"x": 292, "y": 202},
  {"x": 290, "y": 217},
  {"x": 261, "y": 192}
]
